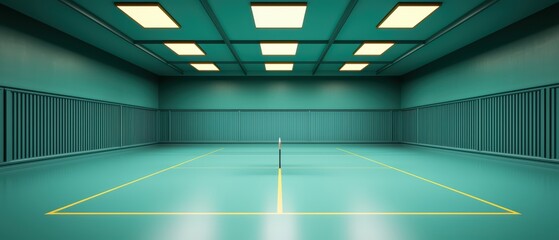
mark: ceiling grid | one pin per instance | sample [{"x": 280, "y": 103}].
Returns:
[{"x": 327, "y": 38}]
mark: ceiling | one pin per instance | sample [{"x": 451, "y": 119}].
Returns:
[{"x": 331, "y": 33}]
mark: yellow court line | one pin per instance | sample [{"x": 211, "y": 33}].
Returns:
[
  {"x": 284, "y": 213},
  {"x": 280, "y": 194},
  {"x": 401, "y": 213},
  {"x": 433, "y": 182},
  {"x": 164, "y": 213},
  {"x": 226, "y": 168},
  {"x": 307, "y": 168},
  {"x": 128, "y": 183},
  {"x": 334, "y": 168}
]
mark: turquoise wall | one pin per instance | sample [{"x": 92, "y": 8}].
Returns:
[
  {"x": 523, "y": 55},
  {"x": 37, "y": 57},
  {"x": 279, "y": 93}
]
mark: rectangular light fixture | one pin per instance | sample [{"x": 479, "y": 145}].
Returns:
[
  {"x": 373, "y": 48},
  {"x": 353, "y": 67},
  {"x": 279, "y": 48},
  {"x": 185, "y": 48},
  {"x": 408, "y": 15},
  {"x": 205, "y": 67},
  {"x": 148, "y": 15},
  {"x": 278, "y": 15},
  {"x": 279, "y": 66}
]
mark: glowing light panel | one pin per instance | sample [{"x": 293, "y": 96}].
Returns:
[
  {"x": 408, "y": 15},
  {"x": 148, "y": 15},
  {"x": 373, "y": 49},
  {"x": 353, "y": 67},
  {"x": 205, "y": 67},
  {"x": 278, "y": 48},
  {"x": 279, "y": 66},
  {"x": 185, "y": 49},
  {"x": 278, "y": 15}
]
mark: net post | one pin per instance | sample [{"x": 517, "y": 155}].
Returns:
[{"x": 279, "y": 149}]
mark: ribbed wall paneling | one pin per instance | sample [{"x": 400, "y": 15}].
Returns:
[
  {"x": 350, "y": 126},
  {"x": 523, "y": 123},
  {"x": 450, "y": 125},
  {"x": 409, "y": 125},
  {"x": 290, "y": 125},
  {"x": 397, "y": 126},
  {"x": 553, "y": 125},
  {"x": 2, "y": 156},
  {"x": 139, "y": 126},
  {"x": 42, "y": 125},
  {"x": 512, "y": 124},
  {"x": 267, "y": 126},
  {"x": 204, "y": 126},
  {"x": 163, "y": 123},
  {"x": 382, "y": 126}
]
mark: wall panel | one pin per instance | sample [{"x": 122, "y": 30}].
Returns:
[
  {"x": 512, "y": 124},
  {"x": 397, "y": 126},
  {"x": 553, "y": 121},
  {"x": 139, "y": 125},
  {"x": 44, "y": 125},
  {"x": 451, "y": 125},
  {"x": 350, "y": 126},
  {"x": 409, "y": 125},
  {"x": 522, "y": 123},
  {"x": 382, "y": 126},
  {"x": 2, "y": 130},
  {"x": 268, "y": 126},
  {"x": 163, "y": 126},
  {"x": 204, "y": 126},
  {"x": 290, "y": 125}
]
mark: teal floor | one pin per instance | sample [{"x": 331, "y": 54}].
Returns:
[{"x": 328, "y": 191}]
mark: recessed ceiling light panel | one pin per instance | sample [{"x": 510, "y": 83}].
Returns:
[
  {"x": 185, "y": 48},
  {"x": 148, "y": 15},
  {"x": 279, "y": 48},
  {"x": 373, "y": 48},
  {"x": 205, "y": 67},
  {"x": 279, "y": 66},
  {"x": 278, "y": 15},
  {"x": 353, "y": 67},
  {"x": 408, "y": 15}
]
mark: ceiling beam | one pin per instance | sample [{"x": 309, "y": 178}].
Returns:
[
  {"x": 334, "y": 35},
  {"x": 484, "y": 5},
  {"x": 219, "y": 28},
  {"x": 259, "y": 41},
  {"x": 116, "y": 32}
]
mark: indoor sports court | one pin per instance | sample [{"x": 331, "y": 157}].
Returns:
[{"x": 261, "y": 120}]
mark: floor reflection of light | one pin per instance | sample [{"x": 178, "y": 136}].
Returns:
[
  {"x": 371, "y": 227},
  {"x": 198, "y": 227},
  {"x": 191, "y": 227},
  {"x": 280, "y": 227}
]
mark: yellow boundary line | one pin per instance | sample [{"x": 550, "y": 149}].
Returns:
[
  {"x": 228, "y": 168},
  {"x": 509, "y": 211},
  {"x": 279, "y": 210},
  {"x": 282, "y": 213},
  {"x": 56, "y": 211},
  {"x": 269, "y": 168},
  {"x": 280, "y": 194}
]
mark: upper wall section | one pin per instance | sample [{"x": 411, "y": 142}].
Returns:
[
  {"x": 279, "y": 93},
  {"x": 34, "y": 56},
  {"x": 524, "y": 55}
]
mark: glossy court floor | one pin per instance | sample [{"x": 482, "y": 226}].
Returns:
[{"x": 328, "y": 191}]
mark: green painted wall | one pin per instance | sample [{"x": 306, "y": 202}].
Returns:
[
  {"x": 279, "y": 93},
  {"x": 37, "y": 57},
  {"x": 523, "y": 55}
]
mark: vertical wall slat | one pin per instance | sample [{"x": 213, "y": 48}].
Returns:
[{"x": 39, "y": 125}]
